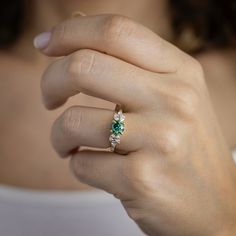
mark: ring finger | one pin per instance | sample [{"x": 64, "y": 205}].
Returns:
[{"x": 90, "y": 127}]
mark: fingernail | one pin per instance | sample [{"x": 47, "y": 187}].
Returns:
[
  {"x": 78, "y": 13},
  {"x": 41, "y": 41}
]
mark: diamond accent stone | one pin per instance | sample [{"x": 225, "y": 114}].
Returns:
[
  {"x": 114, "y": 138},
  {"x": 119, "y": 116}
]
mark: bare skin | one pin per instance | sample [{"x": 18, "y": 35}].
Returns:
[
  {"x": 25, "y": 125},
  {"x": 29, "y": 131},
  {"x": 177, "y": 176}
]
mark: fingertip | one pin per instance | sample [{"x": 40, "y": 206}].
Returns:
[{"x": 52, "y": 105}]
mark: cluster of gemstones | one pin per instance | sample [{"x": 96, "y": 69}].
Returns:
[{"x": 117, "y": 129}]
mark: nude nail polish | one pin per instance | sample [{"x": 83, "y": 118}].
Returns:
[{"x": 41, "y": 41}]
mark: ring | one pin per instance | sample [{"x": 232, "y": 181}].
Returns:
[{"x": 117, "y": 129}]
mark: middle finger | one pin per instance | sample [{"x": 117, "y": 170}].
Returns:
[{"x": 99, "y": 75}]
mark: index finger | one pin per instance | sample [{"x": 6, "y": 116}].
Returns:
[{"x": 117, "y": 36}]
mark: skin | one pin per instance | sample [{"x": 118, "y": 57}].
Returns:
[
  {"x": 40, "y": 169},
  {"x": 176, "y": 160},
  {"x": 162, "y": 179}
]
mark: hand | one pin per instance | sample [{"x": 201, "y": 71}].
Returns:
[{"x": 177, "y": 176}]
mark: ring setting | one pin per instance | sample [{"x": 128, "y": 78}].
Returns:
[{"x": 117, "y": 129}]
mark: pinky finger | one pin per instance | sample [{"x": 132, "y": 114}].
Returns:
[{"x": 101, "y": 170}]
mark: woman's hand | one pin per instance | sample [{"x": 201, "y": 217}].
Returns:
[{"x": 177, "y": 176}]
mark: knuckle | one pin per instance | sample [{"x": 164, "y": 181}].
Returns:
[
  {"x": 117, "y": 27},
  {"x": 78, "y": 167},
  {"x": 81, "y": 63},
  {"x": 71, "y": 122},
  {"x": 47, "y": 85},
  {"x": 185, "y": 100},
  {"x": 59, "y": 33},
  {"x": 168, "y": 141},
  {"x": 197, "y": 66},
  {"x": 196, "y": 72},
  {"x": 188, "y": 103},
  {"x": 136, "y": 174},
  {"x": 45, "y": 80},
  {"x": 135, "y": 214},
  {"x": 44, "y": 83}
]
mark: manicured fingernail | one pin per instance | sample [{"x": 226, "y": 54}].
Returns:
[
  {"x": 78, "y": 13},
  {"x": 41, "y": 41}
]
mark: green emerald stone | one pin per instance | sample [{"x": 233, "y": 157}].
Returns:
[{"x": 117, "y": 127}]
